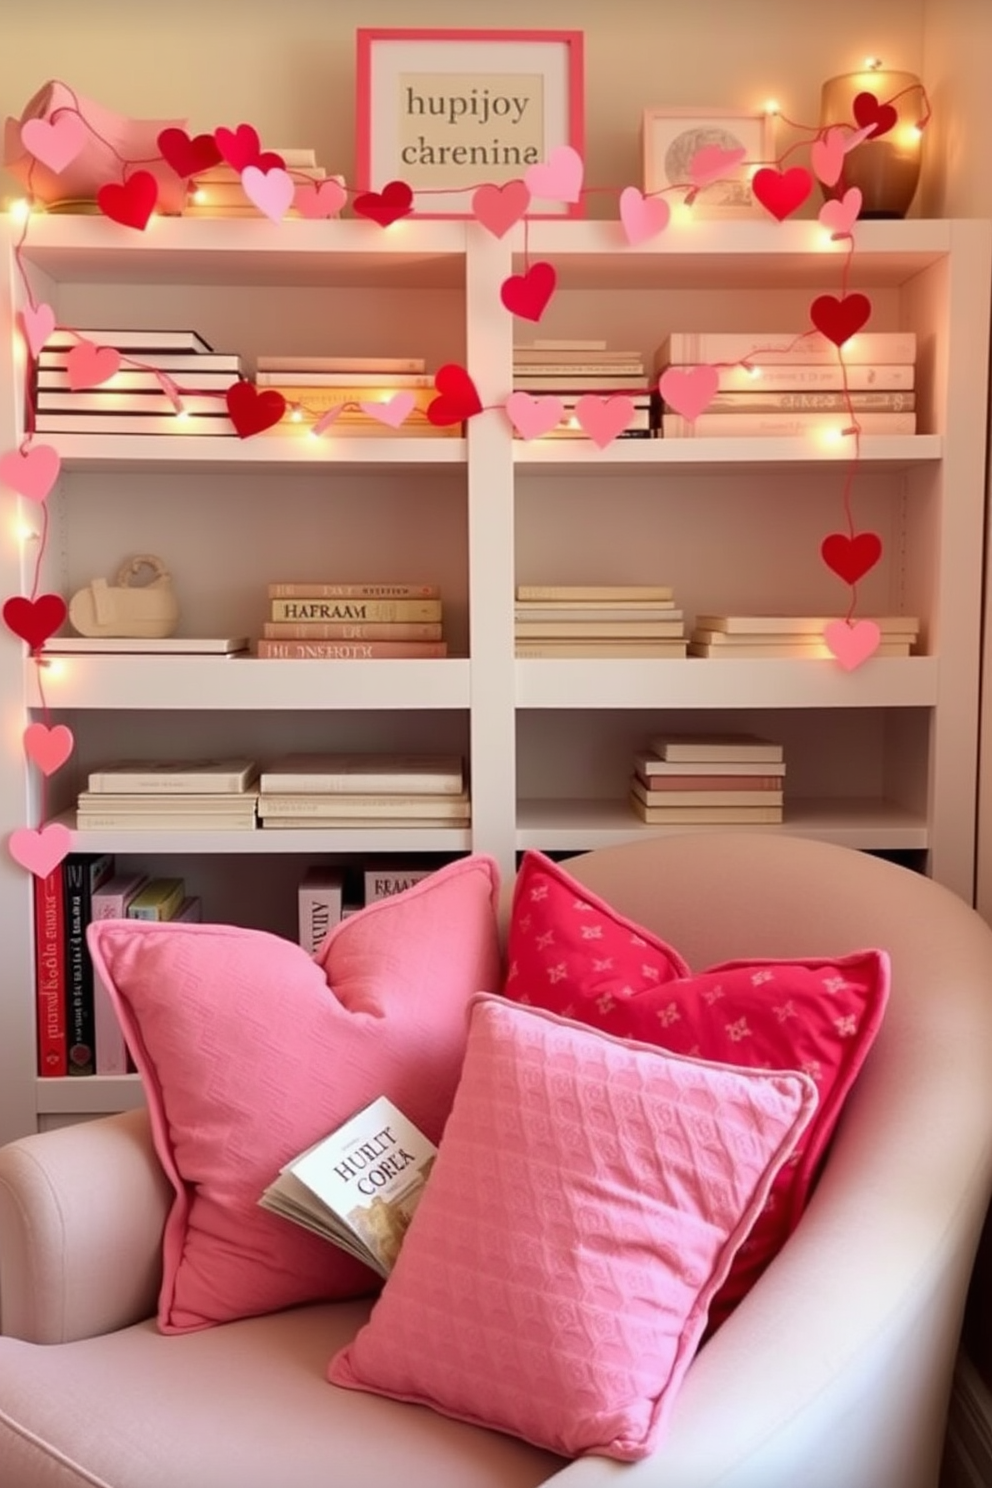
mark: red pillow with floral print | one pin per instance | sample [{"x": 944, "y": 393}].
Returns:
[{"x": 572, "y": 953}]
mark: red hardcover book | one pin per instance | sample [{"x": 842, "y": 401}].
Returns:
[{"x": 49, "y": 953}]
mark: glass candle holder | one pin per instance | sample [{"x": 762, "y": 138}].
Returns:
[{"x": 885, "y": 169}]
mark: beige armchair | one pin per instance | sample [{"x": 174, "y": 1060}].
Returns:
[{"x": 834, "y": 1372}]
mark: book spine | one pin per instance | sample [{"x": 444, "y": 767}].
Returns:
[
  {"x": 49, "y": 932},
  {"x": 325, "y": 610},
  {"x": 356, "y": 782},
  {"x": 375, "y": 365},
  {"x": 809, "y": 377},
  {"x": 318, "y": 397},
  {"x": 658, "y": 799},
  {"x": 113, "y": 401},
  {"x": 81, "y": 876},
  {"x": 110, "y": 902},
  {"x": 771, "y": 348},
  {"x": 166, "y": 361},
  {"x": 130, "y": 340},
  {"x": 194, "y": 425},
  {"x": 634, "y": 383},
  {"x": 781, "y": 425},
  {"x": 319, "y": 909},
  {"x": 365, "y": 803},
  {"x": 178, "y": 782},
  {"x": 689, "y": 815},
  {"x": 524, "y": 372},
  {"x": 593, "y": 592},
  {"x": 136, "y": 380},
  {"x": 812, "y": 401},
  {"x": 676, "y": 784},
  {"x": 354, "y": 591},
  {"x": 345, "y": 630},
  {"x": 368, "y": 383},
  {"x": 533, "y": 630},
  {"x": 159, "y": 901},
  {"x": 599, "y": 650},
  {"x": 383, "y": 883},
  {"x": 349, "y": 650}
]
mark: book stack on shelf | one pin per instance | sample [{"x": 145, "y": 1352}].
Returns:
[
  {"x": 364, "y": 790},
  {"x": 729, "y": 778},
  {"x": 782, "y": 384},
  {"x": 165, "y": 382},
  {"x": 218, "y": 192},
  {"x": 571, "y": 369},
  {"x": 314, "y": 386},
  {"x": 597, "y": 620},
  {"x": 749, "y": 637},
  {"x": 352, "y": 622},
  {"x": 170, "y": 795}
]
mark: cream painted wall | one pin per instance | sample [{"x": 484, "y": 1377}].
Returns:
[
  {"x": 957, "y": 51},
  {"x": 287, "y": 67}
]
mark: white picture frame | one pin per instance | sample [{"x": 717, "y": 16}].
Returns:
[{"x": 670, "y": 137}]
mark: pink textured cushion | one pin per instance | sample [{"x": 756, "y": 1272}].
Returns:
[
  {"x": 569, "y": 951},
  {"x": 250, "y": 1050},
  {"x": 585, "y": 1204}
]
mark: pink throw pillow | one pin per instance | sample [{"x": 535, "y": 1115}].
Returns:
[
  {"x": 571, "y": 952},
  {"x": 250, "y": 1050},
  {"x": 588, "y": 1196}
]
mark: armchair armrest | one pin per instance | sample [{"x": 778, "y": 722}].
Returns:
[{"x": 82, "y": 1211}]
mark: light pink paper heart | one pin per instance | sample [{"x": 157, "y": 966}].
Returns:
[
  {"x": 40, "y": 849},
  {"x": 853, "y": 137},
  {"x": 604, "y": 418},
  {"x": 31, "y": 472},
  {"x": 712, "y": 162},
  {"x": 89, "y": 364},
  {"x": 688, "y": 390},
  {"x": 826, "y": 156},
  {"x": 532, "y": 417},
  {"x": 498, "y": 208},
  {"x": 319, "y": 198},
  {"x": 39, "y": 323},
  {"x": 327, "y": 418},
  {"x": 559, "y": 178},
  {"x": 271, "y": 191},
  {"x": 852, "y": 644},
  {"x": 48, "y": 748},
  {"x": 841, "y": 214},
  {"x": 642, "y": 216},
  {"x": 55, "y": 142},
  {"x": 391, "y": 411}
]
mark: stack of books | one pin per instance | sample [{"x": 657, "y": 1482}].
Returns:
[
  {"x": 764, "y": 636},
  {"x": 364, "y": 790},
  {"x": 570, "y": 369},
  {"x": 692, "y": 779},
  {"x": 597, "y": 620},
  {"x": 167, "y": 382},
  {"x": 218, "y": 192},
  {"x": 314, "y": 386},
  {"x": 170, "y": 795},
  {"x": 352, "y": 622},
  {"x": 781, "y": 384}
]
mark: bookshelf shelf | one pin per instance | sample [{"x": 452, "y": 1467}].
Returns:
[
  {"x": 194, "y": 453},
  {"x": 305, "y": 840},
  {"x": 91, "y": 1095}
]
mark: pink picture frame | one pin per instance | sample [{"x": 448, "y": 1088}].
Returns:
[{"x": 448, "y": 111}]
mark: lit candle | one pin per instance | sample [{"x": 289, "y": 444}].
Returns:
[{"x": 885, "y": 167}]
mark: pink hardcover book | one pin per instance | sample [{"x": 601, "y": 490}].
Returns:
[{"x": 110, "y": 902}]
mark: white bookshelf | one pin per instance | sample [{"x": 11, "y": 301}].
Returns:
[{"x": 883, "y": 758}]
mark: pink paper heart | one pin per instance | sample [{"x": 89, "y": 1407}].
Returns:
[
  {"x": 841, "y": 214},
  {"x": 853, "y": 137},
  {"x": 327, "y": 418},
  {"x": 39, "y": 323},
  {"x": 40, "y": 849},
  {"x": 826, "y": 156},
  {"x": 559, "y": 178},
  {"x": 48, "y": 748},
  {"x": 712, "y": 162},
  {"x": 688, "y": 390},
  {"x": 532, "y": 417},
  {"x": 55, "y": 142},
  {"x": 852, "y": 644},
  {"x": 642, "y": 216},
  {"x": 499, "y": 207},
  {"x": 88, "y": 364},
  {"x": 604, "y": 418},
  {"x": 319, "y": 198},
  {"x": 271, "y": 191},
  {"x": 31, "y": 472},
  {"x": 391, "y": 411}
]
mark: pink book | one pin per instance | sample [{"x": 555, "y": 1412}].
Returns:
[{"x": 110, "y": 902}]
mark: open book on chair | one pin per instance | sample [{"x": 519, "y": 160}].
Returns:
[{"x": 359, "y": 1186}]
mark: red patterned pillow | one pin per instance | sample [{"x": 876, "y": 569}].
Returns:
[{"x": 572, "y": 953}]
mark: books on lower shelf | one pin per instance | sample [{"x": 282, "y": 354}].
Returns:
[
  {"x": 170, "y": 795},
  {"x": 356, "y": 790},
  {"x": 564, "y": 623},
  {"x": 359, "y": 1186},
  {"x": 353, "y": 626},
  {"x": 758, "y": 637},
  {"x": 733, "y": 778}
]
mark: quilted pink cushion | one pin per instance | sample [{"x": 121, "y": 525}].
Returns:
[
  {"x": 250, "y": 1050},
  {"x": 585, "y": 1204},
  {"x": 571, "y": 952}
]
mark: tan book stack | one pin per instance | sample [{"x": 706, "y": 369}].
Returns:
[
  {"x": 763, "y": 637},
  {"x": 329, "y": 621},
  {"x": 597, "y": 621},
  {"x": 569, "y": 370},
  {"x": 364, "y": 790},
  {"x": 715, "y": 778},
  {"x": 170, "y": 795},
  {"x": 315, "y": 386},
  {"x": 218, "y": 192}
]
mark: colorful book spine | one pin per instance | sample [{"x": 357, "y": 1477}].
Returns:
[
  {"x": 347, "y": 630},
  {"x": 354, "y": 591},
  {"x": 771, "y": 348},
  {"x": 349, "y": 650},
  {"x": 325, "y": 610},
  {"x": 781, "y": 425},
  {"x": 160, "y": 899},
  {"x": 49, "y": 960},
  {"x": 320, "y": 900},
  {"x": 110, "y": 902},
  {"x": 83, "y": 873}
]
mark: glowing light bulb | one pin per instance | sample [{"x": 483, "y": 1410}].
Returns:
[
  {"x": 25, "y": 532},
  {"x": 200, "y": 196},
  {"x": 772, "y": 107},
  {"x": 296, "y": 414},
  {"x": 873, "y": 63},
  {"x": 20, "y": 210}
]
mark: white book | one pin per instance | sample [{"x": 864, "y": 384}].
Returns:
[
  {"x": 384, "y": 883},
  {"x": 140, "y": 380},
  {"x": 771, "y": 348},
  {"x": 116, "y": 400},
  {"x": 150, "y": 645},
  {"x": 136, "y": 339},
  {"x": 426, "y": 774},
  {"x": 173, "y": 362},
  {"x": 810, "y": 650},
  {"x": 346, "y": 364},
  {"x": 359, "y": 1186},
  {"x": 174, "y": 821},
  {"x": 319, "y": 901},
  {"x": 363, "y": 804},
  {"x": 594, "y": 593},
  {"x": 809, "y": 377},
  {"x": 659, "y": 798},
  {"x": 593, "y": 650},
  {"x": 231, "y": 803},
  {"x": 783, "y": 425},
  {"x": 715, "y": 746},
  {"x": 605, "y": 630},
  {"x": 619, "y": 611},
  {"x": 169, "y": 776},
  {"x": 187, "y": 426},
  {"x": 292, "y": 377},
  {"x": 650, "y": 764},
  {"x": 779, "y": 626}
]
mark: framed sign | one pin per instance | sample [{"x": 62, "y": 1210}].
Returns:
[
  {"x": 449, "y": 111},
  {"x": 671, "y": 137}
]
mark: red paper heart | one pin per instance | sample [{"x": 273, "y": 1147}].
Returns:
[
  {"x": 34, "y": 620},
  {"x": 131, "y": 203},
  {"x": 394, "y": 201},
  {"x": 880, "y": 116},
  {"x": 459, "y": 398},
  {"x": 527, "y": 294},
  {"x": 239, "y": 147},
  {"x": 838, "y": 320},
  {"x": 187, "y": 156},
  {"x": 251, "y": 411},
  {"x": 782, "y": 192},
  {"x": 850, "y": 558}
]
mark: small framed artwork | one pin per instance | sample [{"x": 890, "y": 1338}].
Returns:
[
  {"x": 672, "y": 137},
  {"x": 449, "y": 111}
]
